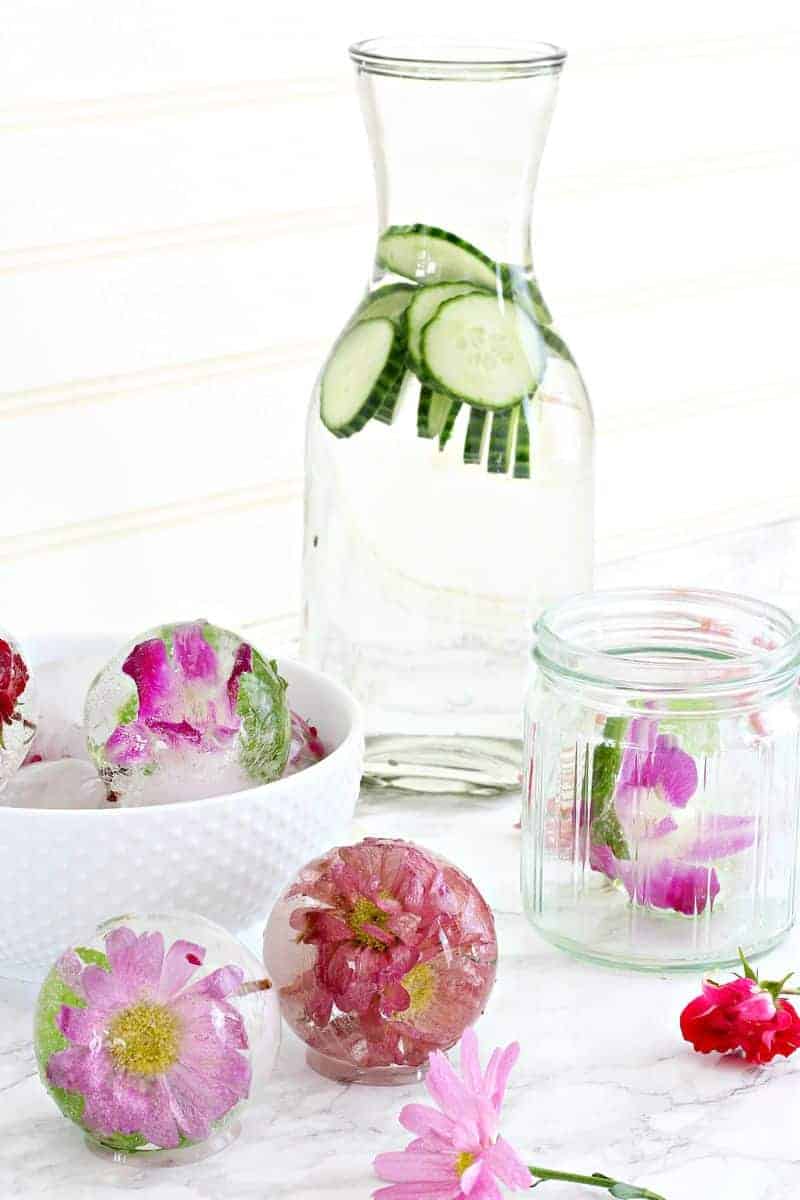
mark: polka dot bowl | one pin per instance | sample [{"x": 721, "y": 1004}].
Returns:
[{"x": 227, "y": 857}]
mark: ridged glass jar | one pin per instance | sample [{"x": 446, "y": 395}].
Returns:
[{"x": 661, "y": 797}]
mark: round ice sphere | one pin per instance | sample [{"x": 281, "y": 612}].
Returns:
[
  {"x": 184, "y": 712},
  {"x": 18, "y": 715},
  {"x": 382, "y": 953},
  {"x": 61, "y": 688},
  {"x": 149, "y": 1035},
  {"x": 68, "y": 783}
]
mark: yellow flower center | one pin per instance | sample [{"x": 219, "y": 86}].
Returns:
[
  {"x": 144, "y": 1039},
  {"x": 366, "y": 912},
  {"x": 420, "y": 983},
  {"x": 464, "y": 1160}
]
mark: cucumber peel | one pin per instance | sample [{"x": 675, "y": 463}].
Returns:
[
  {"x": 363, "y": 373},
  {"x": 429, "y": 254}
]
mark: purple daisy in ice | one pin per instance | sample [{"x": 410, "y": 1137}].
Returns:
[
  {"x": 185, "y": 711},
  {"x": 150, "y": 1053},
  {"x": 672, "y": 864}
]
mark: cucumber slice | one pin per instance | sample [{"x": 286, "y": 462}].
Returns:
[
  {"x": 522, "y": 449},
  {"x": 558, "y": 346},
  {"x": 449, "y": 422},
  {"x": 423, "y": 306},
  {"x": 476, "y": 431},
  {"x": 504, "y": 427},
  {"x": 387, "y": 410},
  {"x": 432, "y": 413},
  {"x": 485, "y": 351},
  {"x": 364, "y": 371},
  {"x": 432, "y": 255},
  {"x": 390, "y": 301}
]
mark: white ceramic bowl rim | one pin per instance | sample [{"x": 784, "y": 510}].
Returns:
[{"x": 288, "y": 782}]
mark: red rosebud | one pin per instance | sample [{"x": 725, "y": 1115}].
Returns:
[
  {"x": 13, "y": 681},
  {"x": 742, "y": 1015}
]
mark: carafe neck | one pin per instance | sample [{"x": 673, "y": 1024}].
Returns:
[{"x": 456, "y": 136}]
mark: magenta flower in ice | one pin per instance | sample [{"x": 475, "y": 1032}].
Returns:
[
  {"x": 181, "y": 698},
  {"x": 150, "y": 1053},
  {"x": 185, "y": 712},
  {"x": 383, "y": 952},
  {"x": 457, "y": 1150},
  {"x": 307, "y": 747},
  {"x": 673, "y": 864}
]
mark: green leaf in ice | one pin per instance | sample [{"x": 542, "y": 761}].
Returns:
[
  {"x": 606, "y": 829},
  {"x": 696, "y": 735},
  {"x": 128, "y": 711},
  {"x": 266, "y": 722}
]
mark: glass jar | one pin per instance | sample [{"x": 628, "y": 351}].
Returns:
[
  {"x": 449, "y": 451},
  {"x": 661, "y": 799}
]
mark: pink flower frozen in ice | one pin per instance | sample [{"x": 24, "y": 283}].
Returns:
[
  {"x": 181, "y": 698},
  {"x": 307, "y": 747},
  {"x": 208, "y": 712},
  {"x": 457, "y": 1150},
  {"x": 149, "y": 1054},
  {"x": 393, "y": 953},
  {"x": 673, "y": 864}
]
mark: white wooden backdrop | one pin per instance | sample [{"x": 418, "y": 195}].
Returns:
[{"x": 186, "y": 215}]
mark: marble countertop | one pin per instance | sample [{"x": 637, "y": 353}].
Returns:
[{"x": 604, "y": 1083}]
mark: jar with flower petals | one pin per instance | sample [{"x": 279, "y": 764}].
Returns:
[{"x": 661, "y": 803}]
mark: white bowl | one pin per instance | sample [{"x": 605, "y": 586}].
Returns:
[{"x": 227, "y": 858}]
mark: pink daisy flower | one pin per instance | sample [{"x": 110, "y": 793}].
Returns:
[
  {"x": 149, "y": 1054},
  {"x": 457, "y": 1150}
]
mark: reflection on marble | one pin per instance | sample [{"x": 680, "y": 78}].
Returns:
[{"x": 604, "y": 1082}]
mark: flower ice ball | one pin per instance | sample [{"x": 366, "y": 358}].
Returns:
[
  {"x": 150, "y": 1033},
  {"x": 382, "y": 953},
  {"x": 184, "y": 712},
  {"x": 18, "y": 716}
]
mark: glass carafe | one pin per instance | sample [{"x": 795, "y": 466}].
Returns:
[{"x": 449, "y": 460}]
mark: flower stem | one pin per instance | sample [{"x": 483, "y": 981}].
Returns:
[{"x": 626, "y": 1191}]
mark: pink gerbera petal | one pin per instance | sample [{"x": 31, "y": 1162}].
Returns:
[
  {"x": 180, "y": 963},
  {"x": 507, "y": 1165}
]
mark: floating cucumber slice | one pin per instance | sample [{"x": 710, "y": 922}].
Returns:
[
  {"x": 433, "y": 411},
  {"x": 432, "y": 255},
  {"x": 449, "y": 422},
  {"x": 476, "y": 431},
  {"x": 482, "y": 350},
  {"x": 390, "y": 301},
  {"x": 365, "y": 371},
  {"x": 501, "y": 441},
  {"x": 423, "y": 306},
  {"x": 522, "y": 449}
]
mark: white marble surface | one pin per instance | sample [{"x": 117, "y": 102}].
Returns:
[{"x": 605, "y": 1082}]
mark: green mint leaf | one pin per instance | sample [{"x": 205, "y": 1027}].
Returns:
[
  {"x": 606, "y": 829},
  {"x": 266, "y": 722}
]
